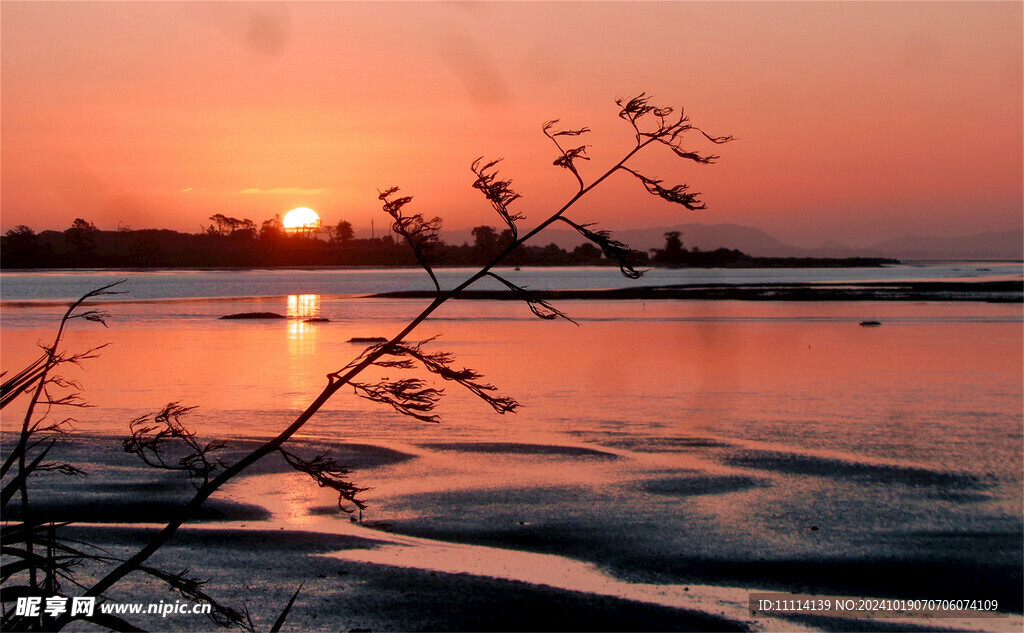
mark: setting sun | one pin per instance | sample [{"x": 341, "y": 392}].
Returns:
[{"x": 301, "y": 219}]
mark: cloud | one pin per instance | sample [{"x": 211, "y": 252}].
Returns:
[{"x": 285, "y": 190}]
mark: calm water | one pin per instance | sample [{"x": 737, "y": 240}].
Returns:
[
  {"x": 730, "y": 428},
  {"x": 176, "y": 284},
  {"x": 934, "y": 378}
]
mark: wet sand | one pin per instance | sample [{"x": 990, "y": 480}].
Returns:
[
  {"x": 263, "y": 568},
  {"x": 536, "y": 555}
]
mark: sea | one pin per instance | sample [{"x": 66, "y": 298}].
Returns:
[
  {"x": 220, "y": 283},
  {"x": 780, "y": 445}
]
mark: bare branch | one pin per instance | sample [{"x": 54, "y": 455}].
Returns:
[
  {"x": 163, "y": 442},
  {"x": 328, "y": 474},
  {"x": 538, "y": 306},
  {"x": 717, "y": 140},
  {"x": 22, "y": 381},
  {"x": 547, "y": 127},
  {"x": 440, "y": 363},
  {"x": 96, "y": 316},
  {"x": 675, "y": 195},
  {"x": 192, "y": 589},
  {"x": 62, "y": 468},
  {"x": 408, "y": 396},
  {"x": 498, "y": 192},
  {"x": 633, "y": 109},
  {"x": 568, "y": 157},
  {"x": 626, "y": 257},
  {"x": 666, "y": 132},
  {"x": 421, "y": 235}
]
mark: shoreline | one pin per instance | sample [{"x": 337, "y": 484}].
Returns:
[
  {"x": 999, "y": 291},
  {"x": 988, "y": 291}
]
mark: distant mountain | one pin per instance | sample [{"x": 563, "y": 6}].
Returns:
[
  {"x": 757, "y": 243},
  {"x": 993, "y": 245},
  {"x": 708, "y": 237}
]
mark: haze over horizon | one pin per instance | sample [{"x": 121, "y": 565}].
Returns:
[{"x": 855, "y": 122}]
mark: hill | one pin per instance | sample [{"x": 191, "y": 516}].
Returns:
[{"x": 998, "y": 245}]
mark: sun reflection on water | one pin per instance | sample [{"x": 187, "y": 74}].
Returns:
[
  {"x": 302, "y": 344},
  {"x": 301, "y": 308}
]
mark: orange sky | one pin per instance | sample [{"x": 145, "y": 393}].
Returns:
[{"x": 857, "y": 121}]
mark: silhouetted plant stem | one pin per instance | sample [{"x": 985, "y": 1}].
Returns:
[
  {"x": 335, "y": 382},
  {"x": 41, "y": 375},
  {"x": 421, "y": 234}
]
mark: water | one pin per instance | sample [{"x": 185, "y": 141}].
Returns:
[
  {"x": 165, "y": 284},
  {"x": 666, "y": 442}
]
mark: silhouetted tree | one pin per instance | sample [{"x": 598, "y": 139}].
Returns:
[
  {"x": 80, "y": 241},
  {"x": 673, "y": 244},
  {"x": 272, "y": 229},
  {"x": 586, "y": 251},
  {"x": 145, "y": 252},
  {"x": 225, "y": 226},
  {"x": 485, "y": 243},
  {"x": 245, "y": 229},
  {"x": 485, "y": 238},
  {"x": 21, "y": 247},
  {"x": 343, "y": 232},
  {"x": 673, "y": 254},
  {"x": 506, "y": 240},
  {"x": 219, "y": 226}
]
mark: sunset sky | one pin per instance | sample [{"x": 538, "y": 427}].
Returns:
[{"x": 856, "y": 121}]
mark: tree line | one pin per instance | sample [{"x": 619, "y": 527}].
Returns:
[
  {"x": 231, "y": 242},
  {"x": 228, "y": 242}
]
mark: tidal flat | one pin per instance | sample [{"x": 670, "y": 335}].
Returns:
[
  {"x": 669, "y": 458},
  {"x": 638, "y": 550}
]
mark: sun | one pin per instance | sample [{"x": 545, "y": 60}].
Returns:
[{"x": 301, "y": 219}]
